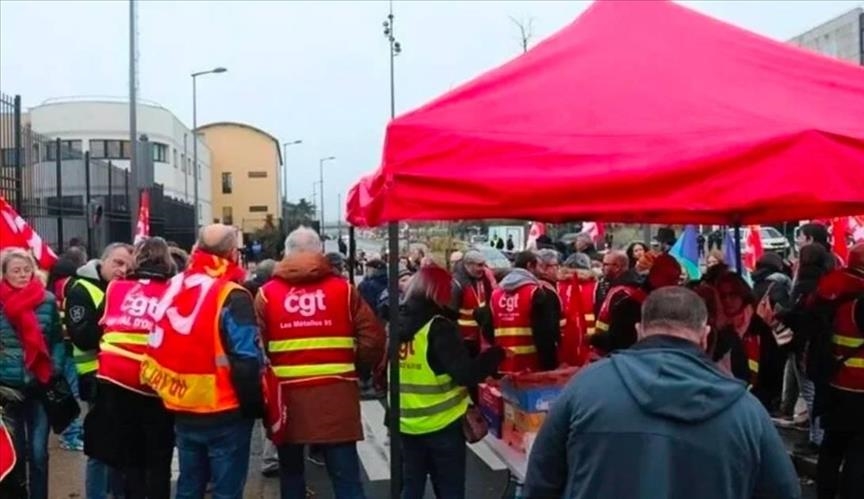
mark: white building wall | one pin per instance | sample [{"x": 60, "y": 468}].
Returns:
[
  {"x": 87, "y": 120},
  {"x": 841, "y": 37}
]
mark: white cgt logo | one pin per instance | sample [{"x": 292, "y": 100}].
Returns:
[
  {"x": 509, "y": 302},
  {"x": 306, "y": 304}
]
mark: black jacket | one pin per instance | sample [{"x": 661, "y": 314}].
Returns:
[
  {"x": 82, "y": 315},
  {"x": 447, "y": 353}
]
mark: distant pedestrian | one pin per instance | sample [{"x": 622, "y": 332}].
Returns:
[
  {"x": 660, "y": 421},
  {"x": 510, "y": 245}
]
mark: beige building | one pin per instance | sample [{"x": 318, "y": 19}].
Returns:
[{"x": 246, "y": 163}]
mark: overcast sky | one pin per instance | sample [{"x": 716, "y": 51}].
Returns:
[{"x": 316, "y": 71}]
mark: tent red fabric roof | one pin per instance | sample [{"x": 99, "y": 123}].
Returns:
[{"x": 637, "y": 111}]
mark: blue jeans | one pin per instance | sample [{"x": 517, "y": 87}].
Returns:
[
  {"x": 441, "y": 455},
  {"x": 343, "y": 466},
  {"x": 74, "y": 432},
  {"x": 31, "y": 443},
  {"x": 217, "y": 454}
]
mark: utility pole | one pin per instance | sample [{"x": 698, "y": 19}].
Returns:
[
  {"x": 135, "y": 186},
  {"x": 393, "y": 289},
  {"x": 195, "y": 170}
]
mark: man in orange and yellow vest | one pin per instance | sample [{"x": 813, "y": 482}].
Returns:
[
  {"x": 472, "y": 290},
  {"x": 576, "y": 287},
  {"x": 842, "y": 405},
  {"x": 205, "y": 362},
  {"x": 133, "y": 430},
  {"x": 317, "y": 331}
]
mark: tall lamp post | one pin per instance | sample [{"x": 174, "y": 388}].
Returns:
[
  {"x": 321, "y": 185},
  {"x": 195, "y": 139},
  {"x": 285, "y": 179},
  {"x": 393, "y": 288}
]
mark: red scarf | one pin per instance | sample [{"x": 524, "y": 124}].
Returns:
[
  {"x": 20, "y": 305},
  {"x": 214, "y": 266}
]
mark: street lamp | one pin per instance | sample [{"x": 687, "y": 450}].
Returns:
[
  {"x": 285, "y": 166},
  {"x": 321, "y": 186},
  {"x": 195, "y": 137}
]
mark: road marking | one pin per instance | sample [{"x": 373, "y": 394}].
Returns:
[{"x": 374, "y": 450}]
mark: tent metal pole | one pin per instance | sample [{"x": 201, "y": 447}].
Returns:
[
  {"x": 352, "y": 254},
  {"x": 393, "y": 356},
  {"x": 739, "y": 266}
]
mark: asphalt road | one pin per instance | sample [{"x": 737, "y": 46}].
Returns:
[{"x": 487, "y": 477}]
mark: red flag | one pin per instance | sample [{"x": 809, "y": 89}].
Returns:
[
  {"x": 537, "y": 229},
  {"x": 7, "y": 451},
  {"x": 753, "y": 250},
  {"x": 142, "y": 230},
  {"x": 839, "y": 228},
  {"x": 594, "y": 229},
  {"x": 16, "y": 233}
]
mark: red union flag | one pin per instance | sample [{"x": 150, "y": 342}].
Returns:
[
  {"x": 7, "y": 451},
  {"x": 753, "y": 250},
  {"x": 142, "y": 231},
  {"x": 16, "y": 233}
]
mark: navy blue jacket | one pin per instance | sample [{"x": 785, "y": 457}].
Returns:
[{"x": 658, "y": 421}]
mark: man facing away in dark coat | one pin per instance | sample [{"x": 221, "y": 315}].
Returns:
[{"x": 659, "y": 420}]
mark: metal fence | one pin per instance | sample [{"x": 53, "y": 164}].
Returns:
[{"x": 69, "y": 198}]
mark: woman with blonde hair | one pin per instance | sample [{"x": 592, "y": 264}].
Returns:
[{"x": 32, "y": 353}]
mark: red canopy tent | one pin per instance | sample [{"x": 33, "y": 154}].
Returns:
[{"x": 637, "y": 111}]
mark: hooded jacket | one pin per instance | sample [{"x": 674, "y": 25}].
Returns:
[
  {"x": 658, "y": 421},
  {"x": 82, "y": 316},
  {"x": 545, "y": 316},
  {"x": 330, "y": 413}
]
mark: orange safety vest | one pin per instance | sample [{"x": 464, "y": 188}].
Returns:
[
  {"x": 847, "y": 343},
  {"x": 127, "y": 322},
  {"x": 511, "y": 318},
  {"x": 185, "y": 361},
  {"x": 752, "y": 348},
  {"x": 309, "y": 334},
  {"x": 473, "y": 297}
]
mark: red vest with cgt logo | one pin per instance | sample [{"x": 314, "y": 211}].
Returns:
[
  {"x": 128, "y": 319},
  {"x": 511, "y": 317},
  {"x": 309, "y": 334}
]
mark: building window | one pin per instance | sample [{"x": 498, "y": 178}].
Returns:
[
  {"x": 227, "y": 184},
  {"x": 160, "y": 152},
  {"x": 199, "y": 172},
  {"x": 97, "y": 149},
  {"x": 182, "y": 162},
  {"x": 69, "y": 149},
  {"x": 10, "y": 157},
  {"x": 257, "y": 174},
  {"x": 258, "y": 209},
  {"x": 188, "y": 166},
  {"x": 175, "y": 158},
  {"x": 109, "y": 149},
  {"x": 227, "y": 215}
]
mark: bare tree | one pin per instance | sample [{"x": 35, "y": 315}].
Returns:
[{"x": 526, "y": 31}]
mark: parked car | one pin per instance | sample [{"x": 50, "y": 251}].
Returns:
[{"x": 772, "y": 240}]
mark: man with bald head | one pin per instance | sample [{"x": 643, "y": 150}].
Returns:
[
  {"x": 204, "y": 361},
  {"x": 839, "y": 368}
]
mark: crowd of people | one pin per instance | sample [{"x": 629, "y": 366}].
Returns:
[{"x": 678, "y": 377}]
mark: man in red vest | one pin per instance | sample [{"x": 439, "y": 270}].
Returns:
[
  {"x": 472, "y": 290},
  {"x": 317, "y": 331},
  {"x": 622, "y": 308},
  {"x": 843, "y": 414},
  {"x": 525, "y": 318},
  {"x": 205, "y": 362}
]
